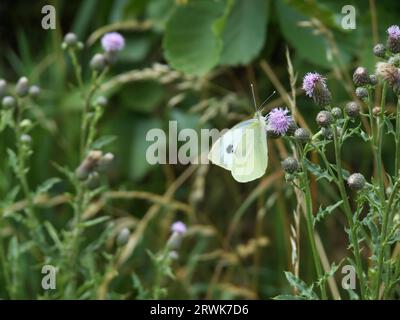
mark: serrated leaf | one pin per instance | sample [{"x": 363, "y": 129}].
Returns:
[
  {"x": 245, "y": 31},
  {"x": 317, "y": 171},
  {"x": 300, "y": 285},
  {"x": 13, "y": 160},
  {"x": 192, "y": 41},
  {"x": 6, "y": 119},
  {"x": 93, "y": 222},
  {"x": 53, "y": 234},
  {"x": 102, "y": 142},
  {"x": 323, "y": 212},
  {"x": 47, "y": 185}
]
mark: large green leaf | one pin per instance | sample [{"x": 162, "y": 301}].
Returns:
[
  {"x": 310, "y": 46},
  {"x": 192, "y": 41},
  {"x": 244, "y": 33},
  {"x": 139, "y": 166}
]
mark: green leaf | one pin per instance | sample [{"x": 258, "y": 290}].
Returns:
[
  {"x": 143, "y": 96},
  {"x": 322, "y": 213},
  {"x": 192, "y": 41},
  {"x": 93, "y": 222},
  {"x": 310, "y": 46},
  {"x": 329, "y": 273},
  {"x": 53, "y": 234},
  {"x": 6, "y": 119},
  {"x": 138, "y": 164},
  {"x": 245, "y": 31},
  {"x": 317, "y": 171},
  {"x": 300, "y": 285},
  {"x": 13, "y": 161},
  {"x": 47, "y": 185},
  {"x": 102, "y": 142}
]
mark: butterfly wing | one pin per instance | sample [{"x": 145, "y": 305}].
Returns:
[
  {"x": 222, "y": 152},
  {"x": 250, "y": 159}
]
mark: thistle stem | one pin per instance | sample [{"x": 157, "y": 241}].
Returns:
[
  {"x": 385, "y": 209},
  {"x": 309, "y": 223},
  {"x": 397, "y": 138},
  {"x": 348, "y": 211}
]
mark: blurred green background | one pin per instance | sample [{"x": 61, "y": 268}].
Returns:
[{"x": 213, "y": 50}]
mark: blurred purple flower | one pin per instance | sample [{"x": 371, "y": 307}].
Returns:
[
  {"x": 279, "y": 120},
  {"x": 310, "y": 81},
  {"x": 178, "y": 227},
  {"x": 394, "y": 32},
  {"x": 112, "y": 42}
]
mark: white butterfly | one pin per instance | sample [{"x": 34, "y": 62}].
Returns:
[{"x": 243, "y": 150}]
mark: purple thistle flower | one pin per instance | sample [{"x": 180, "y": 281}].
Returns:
[
  {"x": 178, "y": 227},
  {"x": 310, "y": 81},
  {"x": 315, "y": 87},
  {"x": 393, "y": 40},
  {"x": 112, "y": 42},
  {"x": 279, "y": 120},
  {"x": 394, "y": 32}
]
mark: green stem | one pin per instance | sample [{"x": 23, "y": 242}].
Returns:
[
  {"x": 385, "y": 210},
  {"x": 309, "y": 224},
  {"x": 96, "y": 78},
  {"x": 397, "y": 138},
  {"x": 77, "y": 68},
  {"x": 348, "y": 211},
  {"x": 379, "y": 146}
]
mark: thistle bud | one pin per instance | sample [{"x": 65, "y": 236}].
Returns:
[
  {"x": 174, "y": 255},
  {"x": 88, "y": 165},
  {"x": 34, "y": 91},
  {"x": 25, "y": 124},
  {"x": 105, "y": 162},
  {"x": 123, "y": 237},
  {"x": 70, "y": 39},
  {"x": 292, "y": 127},
  {"x": 101, "y": 101},
  {"x": 82, "y": 173},
  {"x": 356, "y": 181},
  {"x": 178, "y": 230},
  {"x": 336, "y": 112},
  {"x": 22, "y": 87},
  {"x": 93, "y": 181},
  {"x": 302, "y": 135},
  {"x": 373, "y": 80},
  {"x": 26, "y": 139},
  {"x": 110, "y": 57},
  {"x": 362, "y": 92},
  {"x": 395, "y": 60},
  {"x": 9, "y": 102},
  {"x": 361, "y": 77},
  {"x": 352, "y": 109},
  {"x": 387, "y": 72},
  {"x": 376, "y": 111},
  {"x": 380, "y": 50},
  {"x": 98, "y": 62},
  {"x": 324, "y": 118},
  {"x": 290, "y": 165},
  {"x": 3, "y": 87},
  {"x": 322, "y": 97}
]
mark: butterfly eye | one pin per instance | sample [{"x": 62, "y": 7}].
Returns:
[{"x": 229, "y": 149}]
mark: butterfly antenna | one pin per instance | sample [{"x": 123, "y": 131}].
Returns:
[
  {"x": 254, "y": 97},
  {"x": 262, "y": 104}
]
